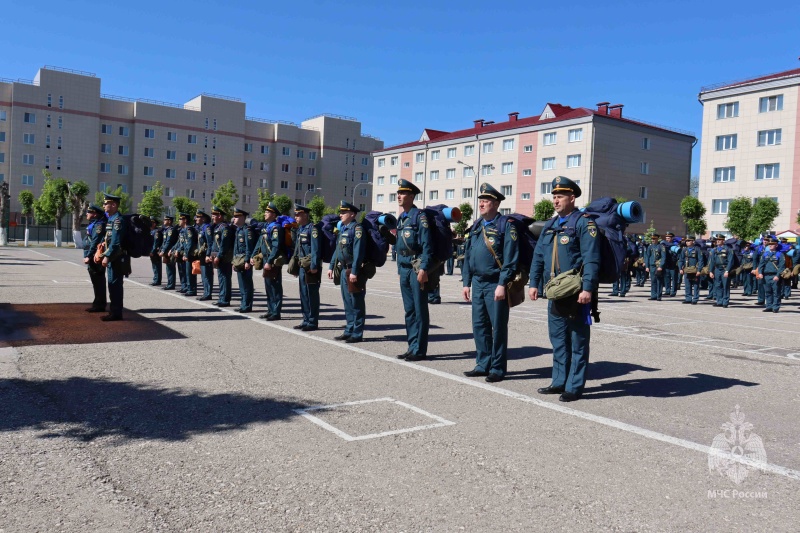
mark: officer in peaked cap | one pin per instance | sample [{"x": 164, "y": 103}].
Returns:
[
  {"x": 414, "y": 263},
  {"x": 205, "y": 236},
  {"x": 243, "y": 249},
  {"x": 170, "y": 238},
  {"x": 177, "y": 252},
  {"x": 190, "y": 254},
  {"x": 655, "y": 262},
  {"x": 272, "y": 246},
  {"x": 720, "y": 265},
  {"x": 692, "y": 257},
  {"x": 749, "y": 264},
  {"x": 222, "y": 254},
  {"x": 157, "y": 231},
  {"x": 772, "y": 263},
  {"x": 115, "y": 258},
  {"x": 95, "y": 233},
  {"x": 308, "y": 250},
  {"x": 671, "y": 279},
  {"x": 490, "y": 263},
  {"x": 349, "y": 259}
]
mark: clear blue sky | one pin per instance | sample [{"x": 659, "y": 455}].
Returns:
[{"x": 400, "y": 67}]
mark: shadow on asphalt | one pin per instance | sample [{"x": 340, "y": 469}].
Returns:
[
  {"x": 664, "y": 387},
  {"x": 87, "y": 409}
]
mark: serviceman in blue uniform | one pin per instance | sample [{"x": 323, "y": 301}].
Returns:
[
  {"x": 272, "y": 245},
  {"x": 190, "y": 246},
  {"x": 490, "y": 263},
  {"x": 655, "y": 261},
  {"x": 690, "y": 263},
  {"x": 639, "y": 265},
  {"x": 170, "y": 239},
  {"x": 178, "y": 252},
  {"x": 95, "y": 234},
  {"x": 222, "y": 255},
  {"x": 787, "y": 250},
  {"x": 671, "y": 276},
  {"x": 749, "y": 265},
  {"x": 115, "y": 258},
  {"x": 770, "y": 267},
  {"x": 155, "y": 260},
  {"x": 244, "y": 247},
  {"x": 720, "y": 266},
  {"x": 414, "y": 247},
  {"x": 570, "y": 239},
  {"x": 622, "y": 285},
  {"x": 348, "y": 259},
  {"x": 308, "y": 249},
  {"x": 205, "y": 241}
]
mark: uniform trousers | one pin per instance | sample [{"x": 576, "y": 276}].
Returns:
[
  {"x": 155, "y": 262},
  {"x": 691, "y": 286},
  {"x": 246, "y": 288},
  {"x": 490, "y": 325},
  {"x": 224, "y": 274},
  {"x": 415, "y": 304},
  {"x": 722, "y": 286},
  {"x": 98, "y": 277},
  {"x": 207, "y": 275},
  {"x": 671, "y": 281},
  {"x": 170, "y": 268},
  {"x": 772, "y": 292},
  {"x": 309, "y": 300},
  {"x": 191, "y": 279},
  {"x": 748, "y": 282},
  {"x": 115, "y": 275},
  {"x": 570, "y": 340},
  {"x": 355, "y": 310},
  {"x": 760, "y": 291},
  {"x": 656, "y": 284},
  {"x": 181, "y": 266},
  {"x": 274, "y": 289}
]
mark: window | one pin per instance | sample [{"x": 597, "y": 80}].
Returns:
[
  {"x": 30, "y": 118},
  {"x": 770, "y": 103},
  {"x": 172, "y": 136},
  {"x": 546, "y": 187},
  {"x": 508, "y": 144},
  {"x": 191, "y": 157},
  {"x": 450, "y": 194},
  {"x": 527, "y": 172},
  {"x": 262, "y": 183},
  {"x": 2, "y": 157},
  {"x": 284, "y": 184},
  {"x": 381, "y": 162},
  {"x": 549, "y": 138},
  {"x": 206, "y": 123},
  {"x": 312, "y": 155},
  {"x": 434, "y": 175},
  {"x": 365, "y": 161},
  {"x": 285, "y": 167},
  {"x": 106, "y": 129},
  {"x": 105, "y": 168},
  {"x": 528, "y": 148},
  {"x": 769, "y": 171},
  {"x": 724, "y": 174},
  {"x": 29, "y": 138},
  {"x": 215, "y": 125},
  {"x": 191, "y": 139},
  {"x": 27, "y": 159},
  {"x": 379, "y": 198},
  {"x": 469, "y": 150},
  {"x": 105, "y": 148},
  {"x": 468, "y": 172},
  {"x": 719, "y": 207},
  {"x": 312, "y": 171},
  {"x": 769, "y": 137},
  {"x": 122, "y": 170},
  {"x": 505, "y": 210},
  {"x": 3, "y": 116},
  {"x": 170, "y": 174},
  {"x": 300, "y": 155},
  {"x": 149, "y": 171},
  {"x": 507, "y": 168},
  {"x": 486, "y": 170},
  {"x": 61, "y": 102},
  {"x": 169, "y": 192},
  {"x": 505, "y": 190},
  {"x": 644, "y": 167},
  {"x": 59, "y": 143},
  {"x": 298, "y": 186},
  {"x": 27, "y": 179},
  {"x": 380, "y": 180},
  {"x": 124, "y": 131},
  {"x": 451, "y": 153},
  {"x": 248, "y": 165},
  {"x": 299, "y": 170},
  {"x": 392, "y": 197},
  {"x": 149, "y": 133},
  {"x": 264, "y": 166},
  {"x": 213, "y": 144},
  {"x": 726, "y": 142},
  {"x": 466, "y": 193},
  {"x": 149, "y": 152},
  {"x": 728, "y": 110},
  {"x": 49, "y": 120},
  {"x": 172, "y": 154},
  {"x": 525, "y": 196},
  {"x": 645, "y": 143},
  {"x": 573, "y": 161},
  {"x": 248, "y": 147},
  {"x": 488, "y": 148},
  {"x": 575, "y": 135},
  {"x": 58, "y": 163},
  {"x": 643, "y": 193},
  {"x": 450, "y": 173},
  {"x": 311, "y": 187},
  {"x": 433, "y": 195},
  {"x": 190, "y": 193},
  {"x": 47, "y": 142},
  {"x": 419, "y": 158},
  {"x": 435, "y": 155},
  {"x": 392, "y": 180},
  {"x": 60, "y": 122},
  {"x": 286, "y": 151},
  {"x": 264, "y": 149},
  {"x": 2, "y": 136}
]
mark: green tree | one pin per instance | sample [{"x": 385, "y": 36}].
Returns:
[
  {"x": 226, "y": 197},
  {"x": 264, "y": 198},
  {"x": 318, "y": 208},
  {"x": 185, "y": 205},
  {"x": 124, "y": 203},
  {"x": 78, "y": 194},
  {"x": 764, "y": 213},
  {"x": 466, "y": 217},
  {"x": 53, "y": 203},
  {"x": 26, "y": 200},
  {"x": 543, "y": 210},
  {"x": 283, "y": 203},
  {"x": 738, "y": 220},
  {"x": 650, "y": 231},
  {"x": 693, "y": 212},
  {"x": 152, "y": 204}
]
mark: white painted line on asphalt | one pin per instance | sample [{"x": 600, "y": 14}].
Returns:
[{"x": 440, "y": 422}]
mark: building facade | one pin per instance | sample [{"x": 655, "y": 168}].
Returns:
[
  {"x": 606, "y": 154},
  {"x": 61, "y": 122},
  {"x": 750, "y": 146}
]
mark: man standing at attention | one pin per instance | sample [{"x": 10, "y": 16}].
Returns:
[
  {"x": 115, "y": 258},
  {"x": 656, "y": 263},
  {"x": 95, "y": 234},
  {"x": 222, "y": 255},
  {"x": 155, "y": 260},
  {"x": 567, "y": 242},
  {"x": 349, "y": 258},
  {"x": 720, "y": 263},
  {"x": 414, "y": 261},
  {"x": 308, "y": 249},
  {"x": 490, "y": 263},
  {"x": 205, "y": 240},
  {"x": 690, "y": 263},
  {"x": 170, "y": 238},
  {"x": 272, "y": 244}
]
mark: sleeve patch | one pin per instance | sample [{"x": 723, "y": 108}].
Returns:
[
  {"x": 513, "y": 232},
  {"x": 593, "y": 231},
  {"x": 314, "y": 233},
  {"x": 358, "y": 233}
]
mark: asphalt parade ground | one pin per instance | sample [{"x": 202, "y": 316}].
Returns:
[{"x": 186, "y": 417}]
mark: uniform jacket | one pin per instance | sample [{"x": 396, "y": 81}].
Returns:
[
  {"x": 272, "y": 242},
  {"x": 480, "y": 264},
  {"x": 691, "y": 256},
  {"x": 351, "y": 247},
  {"x": 574, "y": 249},
  {"x": 414, "y": 239},
  {"x": 190, "y": 242},
  {"x": 308, "y": 244},
  {"x": 721, "y": 258},
  {"x": 95, "y": 234},
  {"x": 656, "y": 256},
  {"x": 158, "y": 240},
  {"x": 115, "y": 231},
  {"x": 246, "y": 241},
  {"x": 170, "y": 238},
  {"x": 224, "y": 235},
  {"x": 771, "y": 264}
]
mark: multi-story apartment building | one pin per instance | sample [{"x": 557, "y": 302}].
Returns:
[
  {"x": 604, "y": 152},
  {"x": 60, "y": 121},
  {"x": 750, "y": 146}
]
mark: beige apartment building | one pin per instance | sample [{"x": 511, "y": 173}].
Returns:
[
  {"x": 605, "y": 153},
  {"x": 60, "y": 121},
  {"x": 750, "y": 146}
]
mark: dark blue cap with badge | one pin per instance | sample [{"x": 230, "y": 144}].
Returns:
[
  {"x": 217, "y": 211},
  {"x": 112, "y": 198},
  {"x": 94, "y": 208},
  {"x": 347, "y": 206},
  {"x": 201, "y": 213},
  {"x": 565, "y": 185},
  {"x": 487, "y": 192},
  {"x": 407, "y": 186},
  {"x": 154, "y": 220},
  {"x": 184, "y": 215},
  {"x": 238, "y": 211},
  {"x": 301, "y": 208},
  {"x": 168, "y": 217},
  {"x": 273, "y": 208}
]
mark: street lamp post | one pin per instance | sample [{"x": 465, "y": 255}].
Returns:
[
  {"x": 308, "y": 191},
  {"x": 354, "y": 191}
]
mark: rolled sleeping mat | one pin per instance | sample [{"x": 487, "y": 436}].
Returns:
[
  {"x": 675, "y": 249},
  {"x": 339, "y": 226},
  {"x": 452, "y": 214},
  {"x": 630, "y": 211},
  {"x": 389, "y": 220},
  {"x": 537, "y": 227}
]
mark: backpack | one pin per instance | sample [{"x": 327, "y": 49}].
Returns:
[
  {"x": 736, "y": 247},
  {"x": 442, "y": 242},
  {"x": 138, "y": 240},
  {"x": 289, "y": 232},
  {"x": 327, "y": 239},
  {"x": 377, "y": 245}
]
